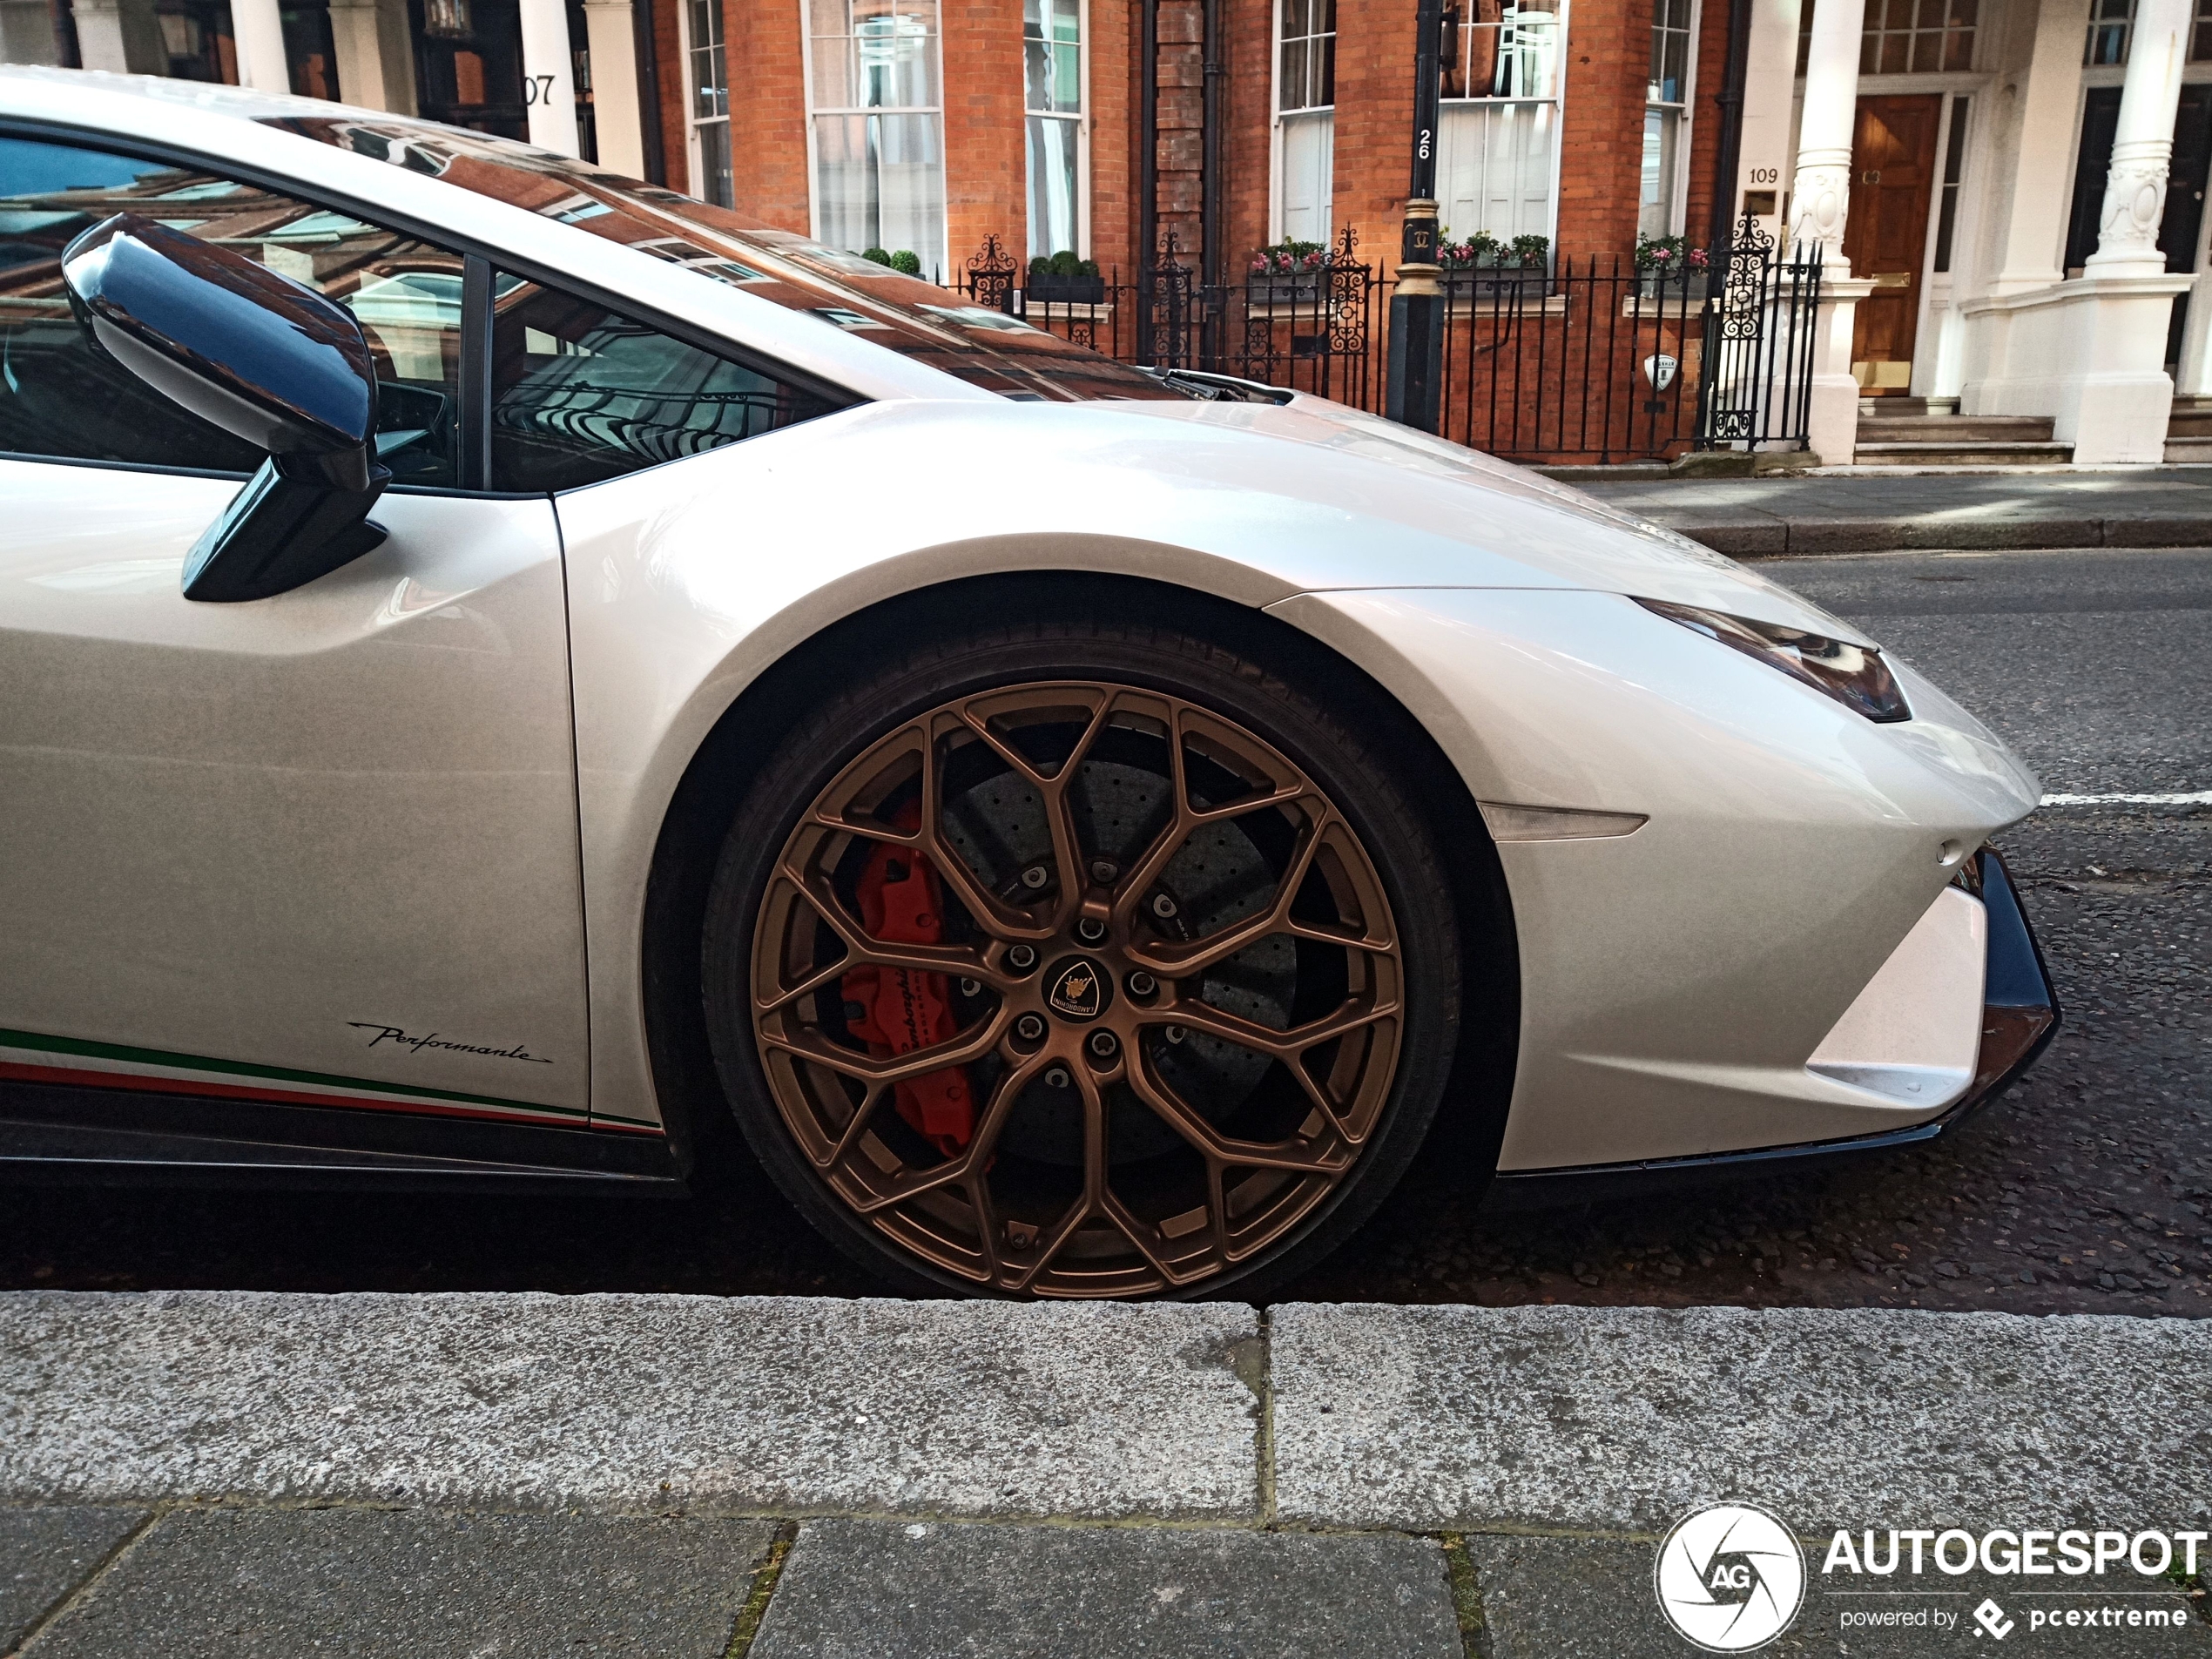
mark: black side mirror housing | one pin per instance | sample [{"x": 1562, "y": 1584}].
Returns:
[{"x": 265, "y": 359}]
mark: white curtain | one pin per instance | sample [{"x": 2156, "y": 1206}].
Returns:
[
  {"x": 1496, "y": 162},
  {"x": 1309, "y": 166},
  {"x": 1052, "y": 185},
  {"x": 882, "y": 184}
]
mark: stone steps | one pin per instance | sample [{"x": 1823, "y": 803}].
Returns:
[{"x": 1919, "y": 440}]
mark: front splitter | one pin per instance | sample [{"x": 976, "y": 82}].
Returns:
[{"x": 2021, "y": 1014}]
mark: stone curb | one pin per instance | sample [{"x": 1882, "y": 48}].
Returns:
[
  {"x": 1420, "y": 1419},
  {"x": 1748, "y": 532},
  {"x": 1620, "y": 1419},
  {"x": 757, "y": 1404}
]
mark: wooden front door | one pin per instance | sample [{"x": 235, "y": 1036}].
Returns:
[{"x": 1893, "y": 161}]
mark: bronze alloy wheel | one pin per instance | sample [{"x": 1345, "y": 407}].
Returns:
[{"x": 1074, "y": 988}]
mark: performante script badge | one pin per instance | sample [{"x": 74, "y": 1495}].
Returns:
[
  {"x": 1729, "y": 1578},
  {"x": 1078, "y": 989}
]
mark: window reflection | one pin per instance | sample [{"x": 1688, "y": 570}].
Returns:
[{"x": 62, "y": 396}]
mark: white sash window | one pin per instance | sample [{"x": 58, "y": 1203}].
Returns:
[
  {"x": 1498, "y": 149},
  {"x": 706, "y": 71},
  {"x": 1305, "y": 96},
  {"x": 1665, "y": 110},
  {"x": 1052, "y": 63},
  {"x": 874, "y": 81}
]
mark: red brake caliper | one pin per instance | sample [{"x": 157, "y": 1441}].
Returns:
[{"x": 902, "y": 1009}]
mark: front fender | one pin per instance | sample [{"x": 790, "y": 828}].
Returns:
[{"x": 688, "y": 582}]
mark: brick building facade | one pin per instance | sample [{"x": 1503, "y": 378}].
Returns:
[{"x": 1586, "y": 192}]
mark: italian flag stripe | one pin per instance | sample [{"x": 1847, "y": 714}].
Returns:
[{"x": 266, "y": 1082}]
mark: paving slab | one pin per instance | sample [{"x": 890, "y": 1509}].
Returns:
[
  {"x": 46, "y": 1552},
  {"x": 276, "y": 1583},
  {"x": 788, "y": 1405},
  {"x": 1618, "y": 1420},
  {"x": 856, "y": 1589},
  {"x": 1584, "y": 1598}
]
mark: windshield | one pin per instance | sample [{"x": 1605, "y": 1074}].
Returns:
[{"x": 988, "y": 349}]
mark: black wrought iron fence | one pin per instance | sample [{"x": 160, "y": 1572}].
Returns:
[
  {"x": 1756, "y": 390},
  {"x": 1590, "y": 360}
]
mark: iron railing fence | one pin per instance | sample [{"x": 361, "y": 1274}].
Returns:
[{"x": 1591, "y": 360}]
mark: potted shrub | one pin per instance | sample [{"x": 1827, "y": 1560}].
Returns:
[
  {"x": 1668, "y": 265},
  {"x": 1289, "y": 273},
  {"x": 1482, "y": 264},
  {"x": 1061, "y": 278}
]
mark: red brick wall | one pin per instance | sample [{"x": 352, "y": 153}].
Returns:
[
  {"x": 668, "y": 47},
  {"x": 1705, "y": 118},
  {"x": 767, "y": 112},
  {"x": 1374, "y": 122},
  {"x": 1608, "y": 64},
  {"x": 986, "y": 167},
  {"x": 1113, "y": 163},
  {"x": 1247, "y": 152}
]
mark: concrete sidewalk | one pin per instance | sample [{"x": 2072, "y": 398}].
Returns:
[
  {"x": 237, "y": 1475},
  {"x": 1775, "y": 517}
]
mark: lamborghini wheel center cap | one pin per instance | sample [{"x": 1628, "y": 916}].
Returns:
[{"x": 1078, "y": 989}]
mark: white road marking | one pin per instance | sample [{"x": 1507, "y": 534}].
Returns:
[{"x": 2199, "y": 798}]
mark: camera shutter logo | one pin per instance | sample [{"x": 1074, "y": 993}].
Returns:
[{"x": 1729, "y": 1578}]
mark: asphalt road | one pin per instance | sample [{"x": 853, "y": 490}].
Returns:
[{"x": 2086, "y": 1188}]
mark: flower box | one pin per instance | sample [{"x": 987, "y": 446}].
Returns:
[
  {"x": 1286, "y": 289},
  {"x": 1477, "y": 281},
  {"x": 1067, "y": 290},
  {"x": 1672, "y": 285}
]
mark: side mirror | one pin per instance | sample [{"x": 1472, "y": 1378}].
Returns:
[{"x": 264, "y": 358}]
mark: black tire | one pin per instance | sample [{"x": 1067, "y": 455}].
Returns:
[{"x": 1362, "y": 784}]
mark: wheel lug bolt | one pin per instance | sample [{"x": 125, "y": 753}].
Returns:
[
  {"x": 1091, "y": 930},
  {"x": 1036, "y": 876},
  {"x": 1104, "y": 870},
  {"x": 971, "y": 987},
  {"x": 1029, "y": 1028},
  {"x": 1057, "y": 1077},
  {"x": 1103, "y": 1044},
  {"x": 1022, "y": 959},
  {"x": 1141, "y": 983},
  {"x": 1175, "y": 1033},
  {"x": 1163, "y": 905}
]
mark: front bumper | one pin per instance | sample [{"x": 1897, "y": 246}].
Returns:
[{"x": 2021, "y": 1014}]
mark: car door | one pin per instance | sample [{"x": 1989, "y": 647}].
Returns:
[{"x": 318, "y": 848}]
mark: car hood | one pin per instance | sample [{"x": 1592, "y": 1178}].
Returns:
[{"x": 1483, "y": 521}]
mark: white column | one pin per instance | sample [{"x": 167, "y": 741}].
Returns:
[
  {"x": 550, "y": 71},
  {"x": 120, "y": 35},
  {"x": 2031, "y": 125},
  {"x": 1769, "y": 79},
  {"x": 2143, "y": 144},
  {"x": 353, "y": 43},
  {"x": 615, "y": 113},
  {"x": 258, "y": 29},
  {"x": 1820, "y": 205},
  {"x": 1820, "y": 196}
]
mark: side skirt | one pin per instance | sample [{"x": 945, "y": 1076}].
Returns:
[{"x": 67, "y": 1134}]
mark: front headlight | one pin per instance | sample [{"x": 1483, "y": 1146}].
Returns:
[{"x": 1855, "y": 676}]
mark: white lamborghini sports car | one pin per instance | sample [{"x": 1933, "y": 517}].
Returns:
[{"x": 505, "y": 670}]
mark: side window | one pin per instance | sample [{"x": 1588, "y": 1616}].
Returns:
[
  {"x": 580, "y": 394},
  {"x": 60, "y": 397}
]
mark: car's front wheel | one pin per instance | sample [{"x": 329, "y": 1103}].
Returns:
[{"x": 1080, "y": 961}]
